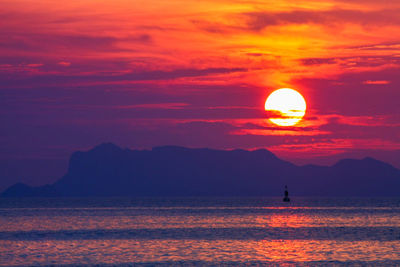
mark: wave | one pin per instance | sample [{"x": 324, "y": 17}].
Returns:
[{"x": 199, "y": 233}]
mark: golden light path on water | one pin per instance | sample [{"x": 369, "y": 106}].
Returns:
[
  {"x": 126, "y": 222},
  {"x": 152, "y": 251},
  {"x": 209, "y": 235}
]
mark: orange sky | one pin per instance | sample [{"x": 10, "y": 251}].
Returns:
[{"x": 148, "y": 73}]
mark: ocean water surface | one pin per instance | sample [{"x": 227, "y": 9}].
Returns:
[{"x": 199, "y": 231}]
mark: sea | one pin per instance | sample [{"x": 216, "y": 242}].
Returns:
[{"x": 200, "y": 232}]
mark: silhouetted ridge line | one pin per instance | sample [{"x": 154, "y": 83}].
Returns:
[{"x": 108, "y": 170}]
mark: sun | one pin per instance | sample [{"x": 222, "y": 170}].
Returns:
[{"x": 286, "y": 107}]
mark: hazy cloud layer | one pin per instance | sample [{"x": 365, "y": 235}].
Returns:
[{"x": 73, "y": 75}]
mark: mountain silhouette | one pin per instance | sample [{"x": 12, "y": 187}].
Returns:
[{"x": 108, "y": 170}]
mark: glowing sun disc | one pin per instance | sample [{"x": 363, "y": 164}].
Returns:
[{"x": 286, "y": 106}]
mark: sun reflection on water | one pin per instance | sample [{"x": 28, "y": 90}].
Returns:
[
  {"x": 123, "y": 251},
  {"x": 204, "y": 235}
]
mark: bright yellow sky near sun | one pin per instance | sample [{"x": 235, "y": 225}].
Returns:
[
  {"x": 257, "y": 45},
  {"x": 216, "y": 30},
  {"x": 268, "y": 38},
  {"x": 257, "y": 35}
]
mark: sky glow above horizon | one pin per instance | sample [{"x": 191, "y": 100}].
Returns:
[{"x": 197, "y": 73}]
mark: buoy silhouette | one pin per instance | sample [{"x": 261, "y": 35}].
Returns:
[{"x": 286, "y": 198}]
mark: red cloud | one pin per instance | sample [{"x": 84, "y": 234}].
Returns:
[{"x": 383, "y": 82}]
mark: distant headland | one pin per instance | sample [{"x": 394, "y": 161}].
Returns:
[{"x": 108, "y": 170}]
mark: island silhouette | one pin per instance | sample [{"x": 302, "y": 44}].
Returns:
[{"x": 108, "y": 170}]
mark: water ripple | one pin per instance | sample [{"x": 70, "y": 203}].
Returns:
[{"x": 255, "y": 233}]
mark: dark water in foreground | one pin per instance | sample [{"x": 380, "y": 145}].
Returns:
[{"x": 199, "y": 231}]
